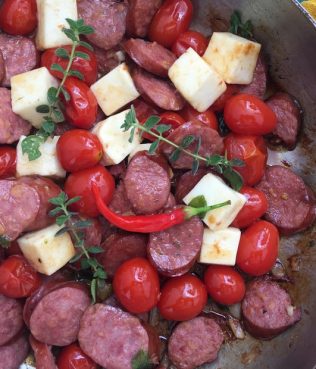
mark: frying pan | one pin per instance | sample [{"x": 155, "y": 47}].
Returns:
[{"x": 288, "y": 36}]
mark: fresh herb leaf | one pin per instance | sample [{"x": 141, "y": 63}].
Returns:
[
  {"x": 4, "y": 242},
  {"x": 52, "y": 95},
  {"x": 85, "y": 30},
  {"x": 93, "y": 289},
  {"x": 62, "y": 231},
  {"x": 59, "y": 200},
  {"x": 153, "y": 147},
  {"x": 86, "y": 45},
  {"x": 62, "y": 219},
  {"x": 58, "y": 115},
  {"x": 95, "y": 250},
  {"x": 142, "y": 361},
  {"x": 151, "y": 122},
  {"x": 82, "y": 55},
  {"x": 76, "y": 73},
  {"x": 70, "y": 34},
  {"x": 72, "y": 200},
  {"x": 57, "y": 68},
  {"x": 175, "y": 155},
  {"x": 195, "y": 166},
  {"x": 65, "y": 93},
  {"x": 198, "y": 202},
  {"x": 48, "y": 126},
  {"x": 162, "y": 128},
  {"x": 43, "y": 109},
  {"x": 187, "y": 141},
  {"x": 234, "y": 178},
  {"x": 238, "y": 28},
  {"x": 82, "y": 224},
  {"x": 31, "y": 146},
  {"x": 62, "y": 53},
  {"x": 75, "y": 258},
  {"x": 237, "y": 163}
]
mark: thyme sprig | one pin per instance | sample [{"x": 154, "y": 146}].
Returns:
[
  {"x": 239, "y": 28},
  {"x": 69, "y": 222}
]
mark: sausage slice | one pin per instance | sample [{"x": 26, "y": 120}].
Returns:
[
  {"x": 11, "y": 319},
  {"x": 14, "y": 353}
]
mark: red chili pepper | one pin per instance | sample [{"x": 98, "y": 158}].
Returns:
[{"x": 149, "y": 223}]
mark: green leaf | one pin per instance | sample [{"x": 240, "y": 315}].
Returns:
[
  {"x": 55, "y": 211},
  {"x": 234, "y": 178},
  {"x": 58, "y": 115},
  {"x": 142, "y": 361},
  {"x": 187, "y": 141},
  {"x": 99, "y": 273},
  {"x": 75, "y": 258},
  {"x": 131, "y": 136},
  {"x": 85, "y": 30},
  {"x": 73, "y": 24},
  {"x": 65, "y": 93},
  {"x": 195, "y": 166},
  {"x": 198, "y": 202},
  {"x": 30, "y": 146},
  {"x": 62, "y": 53},
  {"x": 57, "y": 68},
  {"x": 4, "y": 242},
  {"x": 93, "y": 290},
  {"x": 83, "y": 224},
  {"x": 237, "y": 27},
  {"x": 70, "y": 34},
  {"x": 52, "y": 95},
  {"x": 62, "y": 219},
  {"x": 84, "y": 264},
  {"x": 48, "y": 126},
  {"x": 82, "y": 55},
  {"x": 95, "y": 250},
  {"x": 43, "y": 109},
  {"x": 86, "y": 45},
  {"x": 130, "y": 120},
  {"x": 237, "y": 163},
  {"x": 62, "y": 231},
  {"x": 162, "y": 128},
  {"x": 214, "y": 160},
  {"x": 153, "y": 147},
  {"x": 59, "y": 200},
  {"x": 151, "y": 122},
  {"x": 175, "y": 155},
  {"x": 73, "y": 200},
  {"x": 76, "y": 73}
]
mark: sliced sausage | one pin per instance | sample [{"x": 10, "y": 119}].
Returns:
[
  {"x": 144, "y": 110},
  {"x": 107, "y": 59},
  {"x": 258, "y": 85},
  {"x": 161, "y": 93},
  {"x": 19, "y": 54},
  {"x": 174, "y": 251},
  {"x": 108, "y": 18},
  {"x": 211, "y": 143},
  {"x": 151, "y": 56},
  {"x": 147, "y": 183},
  {"x": 2, "y": 67},
  {"x": 195, "y": 342},
  {"x": 288, "y": 114},
  {"x": 171, "y": 202},
  {"x": 120, "y": 203},
  {"x": 111, "y": 337},
  {"x": 291, "y": 203},
  {"x": 12, "y": 127},
  {"x": 93, "y": 233},
  {"x": 11, "y": 319},
  {"x": 139, "y": 16},
  {"x": 187, "y": 182},
  {"x": 19, "y": 206},
  {"x": 43, "y": 355},
  {"x": 267, "y": 309},
  {"x": 118, "y": 170},
  {"x": 14, "y": 353}
]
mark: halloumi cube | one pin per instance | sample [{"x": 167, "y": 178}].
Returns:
[
  {"x": 115, "y": 90},
  {"x": 216, "y": 191},
  {"x": 46, "y": 165},
  {"x": 220, "y": 247},
  {"x": 115, "y": 142},
  {"x": 29, "y": 90},
  {"x": 46, "y": 252},
  {"x": 233, "y": 57},
  {"x": 197, "y": 81},
  {"x": 52, "y": 16},
  {"x": 139, "y": 148}
]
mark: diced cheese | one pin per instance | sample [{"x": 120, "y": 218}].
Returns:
[
  {"x": 52, "y": 16},
  {"x": 46, "y": 165},
  {"x": 46, "y": 252},
  {"x": 198, "y": 82},
  {"x": 233, "y": 57},
  {"x": 138, "y": 148},
  {"x": 115, "y": 90},
  {"x": 115, "y": 142},
  {"x": 220, "y": 247},
  {"x": 216, "y": 191},
  {"x": 29, "y": 90}
]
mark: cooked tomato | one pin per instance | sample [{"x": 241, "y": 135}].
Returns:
[
  {"x": 254, "y": 208},
  {"x": 18, "y": 17},
  {"x": 7, "y": 161},
  {"x": 253, "y": 151},
  {"x": 220, "y": 103},
  {"x": 188, "y": 39},
  {"x": 82, "y": 107},
  {"x": 258, "y": 248},
  {"x": 247, "y": 114},
  {"x": 224, "y": 284},
  {"x": 72, "y": 357},
  {"x": 208, "y": 117},
  {"x": 169, "y": 118},
  {"x": 79, "y": 149},
  {"x": 17, "y": 277},
  {"x": 79, "y": 184},
  {"x": 136, "y": 285},
  {"x": 182, "y": 298},
  {"x": 87, "y": 67},
  {"x": 172, "y": 19}
]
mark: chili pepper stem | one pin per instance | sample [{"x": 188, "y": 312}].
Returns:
[{"x": 191, "y": 212}]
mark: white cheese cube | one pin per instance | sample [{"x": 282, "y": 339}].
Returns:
[
  {"x": 46, "y": 165},
  {"x": 138, "y": 148},
  {"x": 115, "y": 142},
  {"x": 46, "y": 252},
  {"x": 52, "y": 16},
  {"x": 115, "y": 90},
  {"x": 233, "y": 57},
  {"x": 29, "y": 90},
  {"x": 220, "y": 247},
  {"x": 216, "y": 191},
  {"x": 198, "y": 83}
]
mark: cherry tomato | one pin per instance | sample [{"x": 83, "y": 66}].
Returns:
[
  {"x": 18, "y": 17},
  {"x": 136, "y": 285},
  {"x": 220, "y": 103},
  {"x": 172, "y": 19},
  {"x": 72, "y": 357},
  {"x": 17, "y": 277},
  {"x": 247, "y": 114},
  {"x": 208, "y": 117},
  {"x": 88, "y": 68},
  {"x": 79, "y": 184},
  {"x": 82, "y": 108},
  {"x": 224, "y": 284},
  {"x": 182, "y": 298},
  {"x": 254, "y": 208},
  {"x": 7, "y": 161},
  {"x": 253, "y": 151},
  {"x": 79, "y": 149},
  {"x": 258, "y": 248},
  {"x": 188, "y": 39}
]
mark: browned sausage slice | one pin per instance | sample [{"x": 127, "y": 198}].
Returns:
[
  {"x": 258, "y": 85},
  {"x": 187, "y": 182},
  {"x": 14, "y": 353},
  {"x": 106, "y": 59},
  {"x": 44, "y": 357},
  {"x": 2, "y": 67},
  {"x": 120, "y": 203},
  {"x": 11, "y": 319}
]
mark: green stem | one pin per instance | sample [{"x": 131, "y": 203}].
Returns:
[{"x": 191, "y": 212}]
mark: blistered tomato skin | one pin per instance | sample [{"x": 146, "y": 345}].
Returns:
[
  {"x": 7, "y": 161},
  {"x": 208, "y": 117},
  {"x": 188, "y": 39},
  {"x": 72, "y": 357},
  {"x": 220, "y": 103}
]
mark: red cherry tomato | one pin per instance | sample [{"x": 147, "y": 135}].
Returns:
[
  {"x": 18, "y": 17},
  {"x": 224, "y": 284},
  {"x": 253, "y": 151},
  {"x": 88, "y": 68},
  {"x": 172, "y": 19},
  {"x": 255, "y": 207},
  {"x": 78, "y": 149},
  {"x": 72, "y": 357},
  {"x": 188, "y": 39},
  {"x": 136, "y": 285},
  {"x": 208, "y": 117},
  {"x": 18, "y": 278},
  {"x": 79, "y": 184},
  {"x": 7, "y": 161},
  {"x": 82, "y": 108},
  {"x": 220, "y": 103},
  {"x": 258, "y": 248},
  {"x": 182, "y": 298},
  {"x": 247, "y": 114}
]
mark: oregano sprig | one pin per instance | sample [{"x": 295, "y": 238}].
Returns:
[{"x": 239, "y": 28}]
